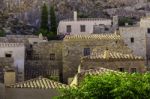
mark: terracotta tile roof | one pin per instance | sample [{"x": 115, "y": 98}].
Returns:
[
  {"x": 113, "y": 55},
  {"x": 95, "y": 71},
  {"x": 93, "y": 36},
  {"x": 11, "y": 45},
  {"x": 39, "y": 83},
  {"x": 87, "y": 19}
]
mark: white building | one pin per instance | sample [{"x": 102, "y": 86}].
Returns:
[
  {"x": 77, "y": 26},
  {"x": 17, "y": 52}
]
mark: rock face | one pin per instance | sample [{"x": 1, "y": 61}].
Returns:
[
  {"x": 28, "y": 11},
  {"x": 11, "y": 25}
]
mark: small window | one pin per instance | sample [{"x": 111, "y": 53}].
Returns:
[
  {"x": 87, "y": 51},
  {"x": 8, "y": 55},
  {"x": 31, "y": 46},
  {"x": 68, "y": 29},
  {"x": 132, "y": 40},
  {"x": 121, "y": 69},
  {"x": 116, "y": 42},
  {"x": 148, "y": 30},
  {"x": 34, "y": 42},
  {"x": 36, "y": 57},
  {"x": 133, "y": 70},
  {"x": 106, "y": 29},
  {"x": 82, "y": 28},
  {"x": 52, "y": 56}
]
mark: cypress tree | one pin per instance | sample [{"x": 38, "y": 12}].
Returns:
[
  {"x": 44, "y": 18},
  {"x": 53, "y": 21},
  {"x": 2, "y": 33}
]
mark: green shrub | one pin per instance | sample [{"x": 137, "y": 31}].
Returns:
[{"x": 111, "y": 86}]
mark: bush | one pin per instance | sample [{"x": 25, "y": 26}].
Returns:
[
  {"x": 2, "y": 33},
  {"x": 124, "y": 20},
  {"x": 111, "y": 86}
]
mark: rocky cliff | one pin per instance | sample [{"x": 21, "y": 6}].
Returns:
[{"x": 28, "y": 11}]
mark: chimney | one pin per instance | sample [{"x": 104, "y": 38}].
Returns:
[
  {"x": 106, "y": 54},
  {"x": 75, "y": 15}
]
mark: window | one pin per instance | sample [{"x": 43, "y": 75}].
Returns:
[
  {"x": 121, "y": 69},
  {"x": 68, "y": 29},
  {"x": 148, "y": 30},
  {"x": 82, "y": 28},
  {"x": 35, "y": 42},
  {"x": 87, "y": 51},
  {"x": 31, "y": 46},
  {"x": 8, "y": 55},
  {"x": 132, "y": 40},
  {"x": 133, "y": 70},
  {"x": 36, "y": 57},
  {"x": 52, "y": 56},
  {"x": 106, "y": 29}
]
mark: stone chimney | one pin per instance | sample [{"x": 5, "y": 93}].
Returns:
[
  {"x": 75, "y": 15},
  {"x": 41, "y": 36},
  {"x": 106, "y": 54}
]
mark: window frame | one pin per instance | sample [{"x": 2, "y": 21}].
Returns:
[
  {"x": 132, "y": 39},
  {"x": 68, "y": 28},
  {"x": 8, "y": 55},
  {"x": 148, "y": 30},
  {"x": 121, "y": 69},
  {"x": 133, "y": 70},
  {"x": 87, "y": 51},
  {"x": 82, "y": 28},
  {"x": 52, "y": 56}
]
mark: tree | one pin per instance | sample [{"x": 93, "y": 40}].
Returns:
[
  {"x": 2, "y": 33},
  {"x": 44, "y": 18},
  {"x": 111, "y": 86},
  {"x": 124, "y": 20},
  {"x": 43, "y": 31},
  {"x": 53, "y": 21}
]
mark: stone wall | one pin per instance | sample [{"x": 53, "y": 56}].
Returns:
[
  {"x": 44, "y": 59},
  {"x": 6, "y": 62},
  {"x": 115, "y": 65},
  {"x": 73, "y": 50},
  {"x": 2, "y": 91},
  {"x": 139, "y": 39},
  {"x": 17, "y": 52}
]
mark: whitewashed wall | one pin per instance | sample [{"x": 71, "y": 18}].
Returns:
[
  {"x": 75, "y": 25},
  {"x": 18, "y": 54}
]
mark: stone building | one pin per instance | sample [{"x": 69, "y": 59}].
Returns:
[
  {"x": 5, "y": 63},
  {"x": 114, "y": 61},
  {"x": 37, "y": 88},
  {"x": 15, "y": 51},
  {"x": 59, "y": 60},
  {"x": 77, "y": 46},
  {"x": 78, "y": 26},
  {"x": 26, "y": 39},
  {"x": 137, "y": 37},
  {"x": 78, "y": 78},
  {"x": 2, "y": 91},
  {"x": 44, "y": 59}
]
